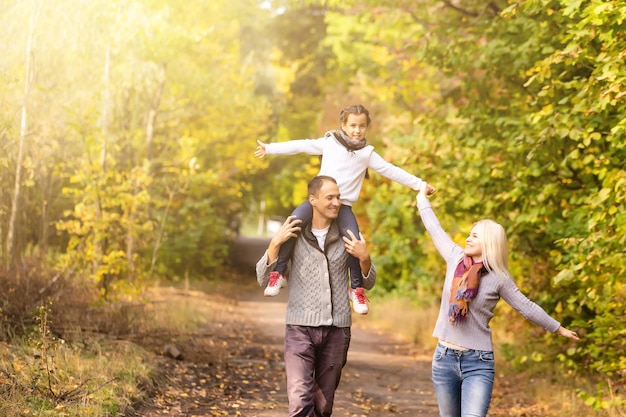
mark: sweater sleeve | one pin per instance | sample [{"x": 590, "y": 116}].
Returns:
[
  {"x": 370, "y": 279},
  {"x": 446, "y": 247},
  {"x": 293, "y": 147},
  {"x": 528, "y": 309},
  {"x": 263, "y": 270},
  {"x": 394, "y": 173}
]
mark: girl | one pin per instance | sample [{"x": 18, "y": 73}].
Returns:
[{"x": 346, "y": 157}]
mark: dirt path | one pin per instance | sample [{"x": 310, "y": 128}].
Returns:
[
  {"x": 233, "y": 366},
  {"x": 382, "y": 376}
]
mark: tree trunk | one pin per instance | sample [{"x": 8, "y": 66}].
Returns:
[
  {"x": 151, "y": 120},
  {"x": 162, "y": 223},
  {"x": 105, "y": 121},
  {"x": 15, "y": 204}
]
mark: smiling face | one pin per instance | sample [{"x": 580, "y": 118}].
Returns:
[
  {"x": 355, "y": 126},
  {"x": 326, "y": 203},
  {"x": 474, "y": 244}
]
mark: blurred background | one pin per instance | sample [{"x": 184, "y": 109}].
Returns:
[{"x": 127, "y": 132}]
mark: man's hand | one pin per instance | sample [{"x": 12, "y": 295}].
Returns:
[
  {"x": 356, "y": 247},
  {"x": 289, "y": 229},
  {"x": 260, "y": 150}
]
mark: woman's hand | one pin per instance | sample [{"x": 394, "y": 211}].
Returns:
[
  {"x": 562, "y": 331},
  {"x": 425, "y": 191}
]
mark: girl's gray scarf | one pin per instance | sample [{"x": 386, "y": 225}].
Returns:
[{"x": 348, "y": 143}]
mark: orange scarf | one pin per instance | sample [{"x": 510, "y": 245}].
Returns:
[{"x": 464, "y": 288}]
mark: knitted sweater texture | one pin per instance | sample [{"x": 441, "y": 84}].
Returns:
[
  {"x": 318, "y": 281},
  {"x": 474, "y": 332},
  {"x": 345, "y": 166}
]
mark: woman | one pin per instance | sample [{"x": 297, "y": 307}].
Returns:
[{"x": 476, "y": 278}]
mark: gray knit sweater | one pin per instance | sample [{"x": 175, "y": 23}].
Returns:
[
  {"x": 318, "y": 281},
  {"x": 474, "y": 332}
]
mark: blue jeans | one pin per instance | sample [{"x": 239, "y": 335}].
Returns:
[
  {"x": 346, "y": 221},
  {"x": 314, "y": 358},
  {"x": 463, "y": 381}
]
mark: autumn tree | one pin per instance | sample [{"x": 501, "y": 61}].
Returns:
[
  {"x": 514, "y": 111},
  {"x": 149, "y": 122}
]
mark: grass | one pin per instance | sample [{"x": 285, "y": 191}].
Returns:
[
  {"x": 71, "y": 354},
  {"x": 402, "y": 318},
  {"x": 100, "y": 379},
  {"x": 93, "y": 374},
  {"x": 50, "y": 364}
]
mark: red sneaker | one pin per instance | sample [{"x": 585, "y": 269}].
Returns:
[
  {"x": 359, "y": 300},
  {"x": 277, "y": 281}
]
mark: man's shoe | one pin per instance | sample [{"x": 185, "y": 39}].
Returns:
[
  {"x": 359, "y": 301},
  {"x": 277, "y": 281}
]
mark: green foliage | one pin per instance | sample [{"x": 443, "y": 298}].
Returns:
[
  {"x": 580, "y": 105},
  {"x": 142, "y": 133},
  {"x": 399, "y": 241},
  {"x": 523, "y": 104},
  {"x": 301, "y": 66}
]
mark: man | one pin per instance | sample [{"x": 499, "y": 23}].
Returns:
[{"x": 318, "y": 321}]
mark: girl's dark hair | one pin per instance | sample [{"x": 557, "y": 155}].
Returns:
[{"x": 353, "y": 109}]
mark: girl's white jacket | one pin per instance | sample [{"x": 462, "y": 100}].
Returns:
[{"x": 345, "y": 166}]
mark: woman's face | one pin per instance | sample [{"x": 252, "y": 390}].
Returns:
[
  {"x": 474, "y": 245},
  {"x": 355, "y": 126}
]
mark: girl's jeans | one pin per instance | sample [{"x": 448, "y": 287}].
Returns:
[
  {"x": 345, "y": 220},
  {"x": 463, "y": 381}
]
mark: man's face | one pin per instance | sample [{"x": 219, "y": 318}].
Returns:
[{"x": 327, "y": 201}]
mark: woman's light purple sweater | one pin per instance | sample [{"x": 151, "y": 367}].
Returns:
[{"x": 474, "y": 332}]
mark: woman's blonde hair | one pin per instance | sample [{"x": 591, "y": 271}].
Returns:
[{"x": 495, "y": 246}]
